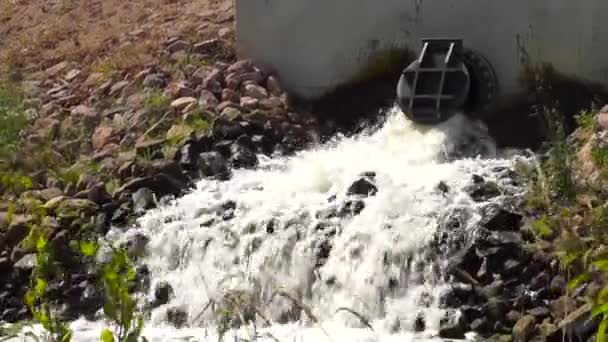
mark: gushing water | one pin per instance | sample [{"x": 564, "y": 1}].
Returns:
[{"x": 286, "y": 244}]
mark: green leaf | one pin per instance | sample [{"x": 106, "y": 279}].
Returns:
[
  {"x": 599, "y": 310},
  {"x": 603, "y": 294},
  {"x": 30, "y": 299},
  {"x": 41, "y": 243},
  {"x": 10, "y": 212},
  {"x": 574, "y": 283},
  {"x": 27, "y": 182},
  {"x": 107, "y": 336},
  {"x": 602, "y": 264},
  {"x": 88, "y": 249},
  {"x": 41, "y": 287},
  {"x": 601, "y": 331},
  {"x": 67, "y": 337}
]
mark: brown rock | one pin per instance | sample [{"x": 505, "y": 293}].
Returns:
[
  {"x": 225, "y": 104},
  {"x": 182, "y": 102},
  {"x": 213, "y": 86},
  {"x": 271, "y": 103},
  {"x": 225, "y": 33},
  {"x": 523, "y": 329},
  {"x": 602, "y": 119},
  {"x": 210, "y": 47},
  {"x": 47, "y": 128},
  {"x": 103, "y": 134},
  {"x": 57, "y": 69},
  {"x": 208, "y": 100},
  {"x": 249, "y": 102},
  {"x": 273, "y": 86},
  {"x": 118, "y": 87},
  {"x": 179, "y": 45},
  {"x": 230, "y": 95},
  {"x": 180, "y": 89},
  {"x": 255, "y": 91},
  {"x": 241, "y": 66},
  {"x": 72, "y": 74}
]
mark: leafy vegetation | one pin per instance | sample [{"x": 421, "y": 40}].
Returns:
[
  {"x": 576, "y": 229},
  {"x": 13, "y": 120}
]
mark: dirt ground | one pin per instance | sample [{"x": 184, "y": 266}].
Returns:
[{"x": 36, "y": 34}]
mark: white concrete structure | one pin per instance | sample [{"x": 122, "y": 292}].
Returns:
[{"x": 315, "y": 45}]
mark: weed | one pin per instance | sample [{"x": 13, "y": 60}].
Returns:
[
  {"x": 587, "y": 120},
  {"x": 600, "y": 156},
  {"x": 156, "y": 101},
  {"x": 120, "y": 307},
  {"x": 37, "y": 299},
  {"x": 13, "y": 120}
]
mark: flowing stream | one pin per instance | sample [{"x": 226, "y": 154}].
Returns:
[{"x": 286, "y": 235}]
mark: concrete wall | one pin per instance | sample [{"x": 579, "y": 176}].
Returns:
[{"x": 315, "y": 45}]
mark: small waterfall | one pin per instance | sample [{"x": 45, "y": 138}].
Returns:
[{"x": 287, "y": 245}]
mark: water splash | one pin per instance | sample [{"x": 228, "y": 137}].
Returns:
[{"x": 279, "y": 228}]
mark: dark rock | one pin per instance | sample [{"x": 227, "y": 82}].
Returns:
[
  {"x": 481, "y": 326},
  {"x": 496, "y": 218},
  {"x": 419, "y": 324},
  {"x": 242, "y": 156},
  {"x": 142, "y": 278},
  {"x": 443, "y": 187},
  {"x": 477, "y": 179},
  {"x": 154, "y": 81},
  {"x": 212, "y": 164},
  {"x": 539, "y": 312},
  {"x": 178, "y": 317},
  {"x": 143, "y": 199},
  {"x": 98, "y": 194},
  {"x": 223, "y": 129},
  {"x": 162, "y": 294},
  {"x": 351, "y": 208},
  {"x": 136, "y": 246},
  {"x": 224, "y": 147},
  {"x": 513, "y": 316},
  {"x": 454, "y": 329},
  {"x": 362, "y": 187},
  {"x": 540, "y": 281},
  {"x": 160, "y": 184},
  {"x": 482, "y": 192},
  {"x": 466, "y": 260}
]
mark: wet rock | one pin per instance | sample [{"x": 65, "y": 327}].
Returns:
[
  {"x": 443, "y": 187},
  {"x": 453, "y": 329},
  {"x": 481, "y": 326},
  {"x": 496, "y": 218},
  {"x": 420, "y": 323},
  {"x": 16, "y": 232},
  {"x": 524, "y": 328},
  {"x": 162, "y": 294},
  {"x": 136, "y": 246},
  {"x": 485, "y": 191},
  {"x": 177, "y": 317},
  {"x": 160, "y": 184},
  {"x": 224, "y": 129},
  {"x": 98, "y": 194},
  {"x": 466, "y": 260},
  {"x": 242, "y": 156},
  {"x": 362, "y": 187},
  {"x": 143, "y": 199},
  {"x": 213, "y": 164},
  {"x": 351, "y": 208}
]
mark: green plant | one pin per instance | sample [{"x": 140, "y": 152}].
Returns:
[
  {"x": 120, "y": 307},
  {"x": 586, "y": 120},
  {"x": 600, "y": 156},
  {"x": 156, "y": 101},
  {"x": 36, "y": 298},
  {"x": 13, "y": 120}
]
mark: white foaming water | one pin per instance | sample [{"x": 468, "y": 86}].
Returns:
[{"x": 272, "y": 243}]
